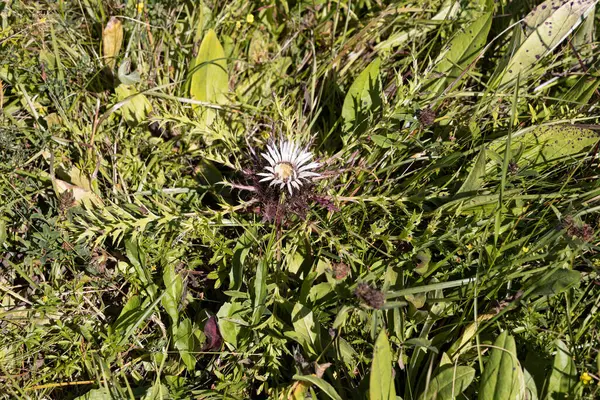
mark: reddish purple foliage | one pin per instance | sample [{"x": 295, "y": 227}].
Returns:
[{"x": 213, "y": 336}]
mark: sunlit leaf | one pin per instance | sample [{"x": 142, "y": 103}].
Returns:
[
  {"x": 381, "y": 383},
  {"x": 210, "y": 79},
  {"x": 502, "y": 378},
  {"x": 563, "y": 378},
  {"x": 449, "y": 383},
  {"x": 364, "y": 96},
  {"x": 112, "y": 38},
  {"x": 552, "y": 26}
]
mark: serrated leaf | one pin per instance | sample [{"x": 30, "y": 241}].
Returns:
[
  {"x": 563, "y": 378},
  {"x": 502, "y": 378},
  {"x": 463, "y": 49},
  {"x": 475, "y": 179},
  {"x": 210, "y": 79},
  {"x": 184, "y": 342},
  {"x": 449, "y": 383},
  {"x": 363, "y": 97},
  {"x": 555, "y": 283},
  {"x": 551, "y": 29},
  {"x": 322, "y": 384},
  {"x": 112, "y": 39},
  {"x": 381, "y": 382},
  {"x": 173, "y": 291}
]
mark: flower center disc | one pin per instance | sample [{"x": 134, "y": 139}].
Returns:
[{"x": 284, "y": 171}]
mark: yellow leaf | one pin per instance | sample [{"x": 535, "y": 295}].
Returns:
[
  {"x": 80, "y": 195},
  {"x": 112, "y": 38}
]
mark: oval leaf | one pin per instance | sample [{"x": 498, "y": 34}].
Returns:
[
  {"x": 555, "y": 283},
  {"x": 210, "y": 80},
  {"x": 112, "y": 38},
  {"x": 546, "y": 144},
  {"x": 463, "y": 49},
  {"x": 381, "y": 383},
  {"x": 449, "y": 383},
  {"x": 563, "y": 378},
  {"x": 173, "y": 291},
  {"x": 552, "y": 26},
  {"x": 502, "y": 378},
  {"x": 362, "y": 97}
]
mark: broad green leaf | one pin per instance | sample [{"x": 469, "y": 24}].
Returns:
[
  {"x": 530, "y": 386},
  {"x": 538, "y": 15},
  {"x": 555, "y": 283},
  {"x": 546, "y": 144},
  {"x": 463, "y": 344},
  {"x": 184, "y": 342},
  {"x": 229, "y": 329},
  {"x": 208, "y": 173},
  {"x": 260, "y": 291},
  {"x": 475, "y": 179},
  {"x": 584, "y": 35},
  {"x": 583, "y": 90},
  {"x": 134, "y": 106},
  {"x": 463, "y": 49},
  {"x": 129, "y": 314},
  {"x": 381, "y": 382},
  {"x": 306, "y": 327},
  {"x": 240, "y": 252},
  {"x": 449, "y": 383},
  {"x": 126, "y": 76},
  {"x": 502, "y": 378},
  {"x": 112, "y": 38},
  {"x": 96, "y": 394},
  {"x": 551, "y": 30},
  {"x": 563, "y": 378},
  {"x": 363, "y": 97},
  {"x": 210, "y": 79},
  {"x": 173, "y": 292},
  {"x": 321, "y": 384},
  {"x": 516, "y": 40},
  {"x": 158, "y": 391},
  {"x": 137, "y": 258},
  {"x": 342, "y": 317}
]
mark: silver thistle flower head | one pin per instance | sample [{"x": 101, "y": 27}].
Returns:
[{"x": 289, "y": 166}]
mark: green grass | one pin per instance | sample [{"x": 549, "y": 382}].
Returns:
[{"x": 140, "y": 259}]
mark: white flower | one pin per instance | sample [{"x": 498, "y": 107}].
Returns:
[{"x": 288, "y": 166}]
